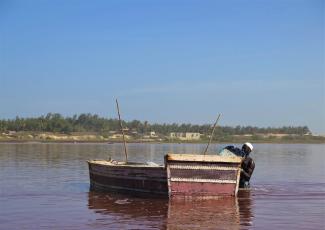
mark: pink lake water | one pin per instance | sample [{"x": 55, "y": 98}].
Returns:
[{"x": 46, "y": 186}]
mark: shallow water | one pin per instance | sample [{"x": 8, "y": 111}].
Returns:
[{"x": 46, "y": 186}]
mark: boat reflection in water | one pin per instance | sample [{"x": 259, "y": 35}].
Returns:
[
  {"x": 116, "y": 211},
  {"x": 126, "y": 212}
]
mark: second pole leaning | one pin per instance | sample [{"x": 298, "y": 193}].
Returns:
[{"x": 121, "y": 126}]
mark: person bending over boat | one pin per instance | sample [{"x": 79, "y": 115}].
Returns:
[{"x": 248, "y": 164}]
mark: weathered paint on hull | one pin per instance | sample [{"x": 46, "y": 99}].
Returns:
[
  {"x": 128, "y": 178},
  {"x": 202, "y": 189},
  {"x": 202, "y": 175}
]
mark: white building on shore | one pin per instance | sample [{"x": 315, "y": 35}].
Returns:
[{"x": 185, "y": 136}]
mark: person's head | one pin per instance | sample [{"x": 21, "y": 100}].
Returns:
[{"x": 247, "y": 148}]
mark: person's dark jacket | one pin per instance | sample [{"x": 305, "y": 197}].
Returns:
[{"x": 236, "y": 151}]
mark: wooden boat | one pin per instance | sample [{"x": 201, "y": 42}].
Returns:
[
  {"x": 202, "y": 175},
  {"x": 128, "y": 177},
  {"x": 183, "y": 174}
]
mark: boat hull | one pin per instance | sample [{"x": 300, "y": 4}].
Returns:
[
  {"x": 128, "y": 178},
  {"x": 202, "y": 175},
  {"x": 184, "y": 175}
]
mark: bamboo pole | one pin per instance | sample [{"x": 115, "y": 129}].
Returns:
[
  {"x": 214, "y": 127},
  {"x": 119, "y": 117}
]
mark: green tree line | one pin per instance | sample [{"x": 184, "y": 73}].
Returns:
[{"x": 55, "y": 122}]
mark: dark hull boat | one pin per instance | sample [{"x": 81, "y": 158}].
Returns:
[
  {"x": 182, "y": 175},
  {"x": 128, "y": 177}
]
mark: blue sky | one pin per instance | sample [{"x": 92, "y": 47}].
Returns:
[{"x": 257, "y": 63}]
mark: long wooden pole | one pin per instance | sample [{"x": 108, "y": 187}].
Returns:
[
  {"x": 214, "y": 127},
  {"x": 119, "y": 117}
]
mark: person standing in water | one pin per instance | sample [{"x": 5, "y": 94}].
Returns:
[{"x": 248, "y": 164}]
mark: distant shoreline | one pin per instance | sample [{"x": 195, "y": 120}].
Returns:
[
  {"x": 93, "y": 137},
  {"x": 21, "y": 141}
]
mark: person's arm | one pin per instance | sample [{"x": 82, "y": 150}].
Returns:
[
  {"x": 247, "y": 171},
  {"x": 245, "y": 174}
]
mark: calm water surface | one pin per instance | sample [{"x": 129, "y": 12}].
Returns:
[{"x": 46, "y": 186}]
